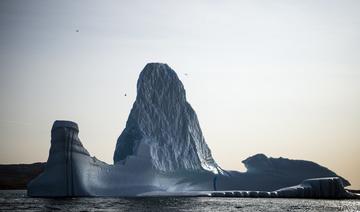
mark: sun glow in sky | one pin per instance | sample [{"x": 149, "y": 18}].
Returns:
[{"x": 277, "y": 77}]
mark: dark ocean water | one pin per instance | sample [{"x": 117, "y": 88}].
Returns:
[{"x": 18, "y": 201}]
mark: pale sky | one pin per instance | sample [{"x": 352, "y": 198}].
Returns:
[{"x": 275, "y": 77}]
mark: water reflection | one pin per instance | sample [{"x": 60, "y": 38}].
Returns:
[{"x": 17, "y": 200}]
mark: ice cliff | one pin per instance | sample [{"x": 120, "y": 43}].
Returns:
[{"x": 162, "y": 119}]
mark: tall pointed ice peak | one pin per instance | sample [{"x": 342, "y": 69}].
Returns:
[
  {"x": 158, "y": 81},
  {"x": 164, "y": 121}
]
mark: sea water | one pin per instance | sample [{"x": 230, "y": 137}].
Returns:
[{"x": 16, "y": 200}]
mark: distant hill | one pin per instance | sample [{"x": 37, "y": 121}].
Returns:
[{"x": 16, "y": 176}]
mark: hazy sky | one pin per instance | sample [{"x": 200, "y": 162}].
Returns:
[{"x": 276, "y": 77}]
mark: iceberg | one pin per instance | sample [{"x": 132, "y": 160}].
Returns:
[{"x": 162, "y": 152}]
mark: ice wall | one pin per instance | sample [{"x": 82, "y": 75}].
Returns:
[{"x": 70, "y": 171}]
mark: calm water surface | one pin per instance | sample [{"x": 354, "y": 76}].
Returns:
[{"x": 18, "y": 201}]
